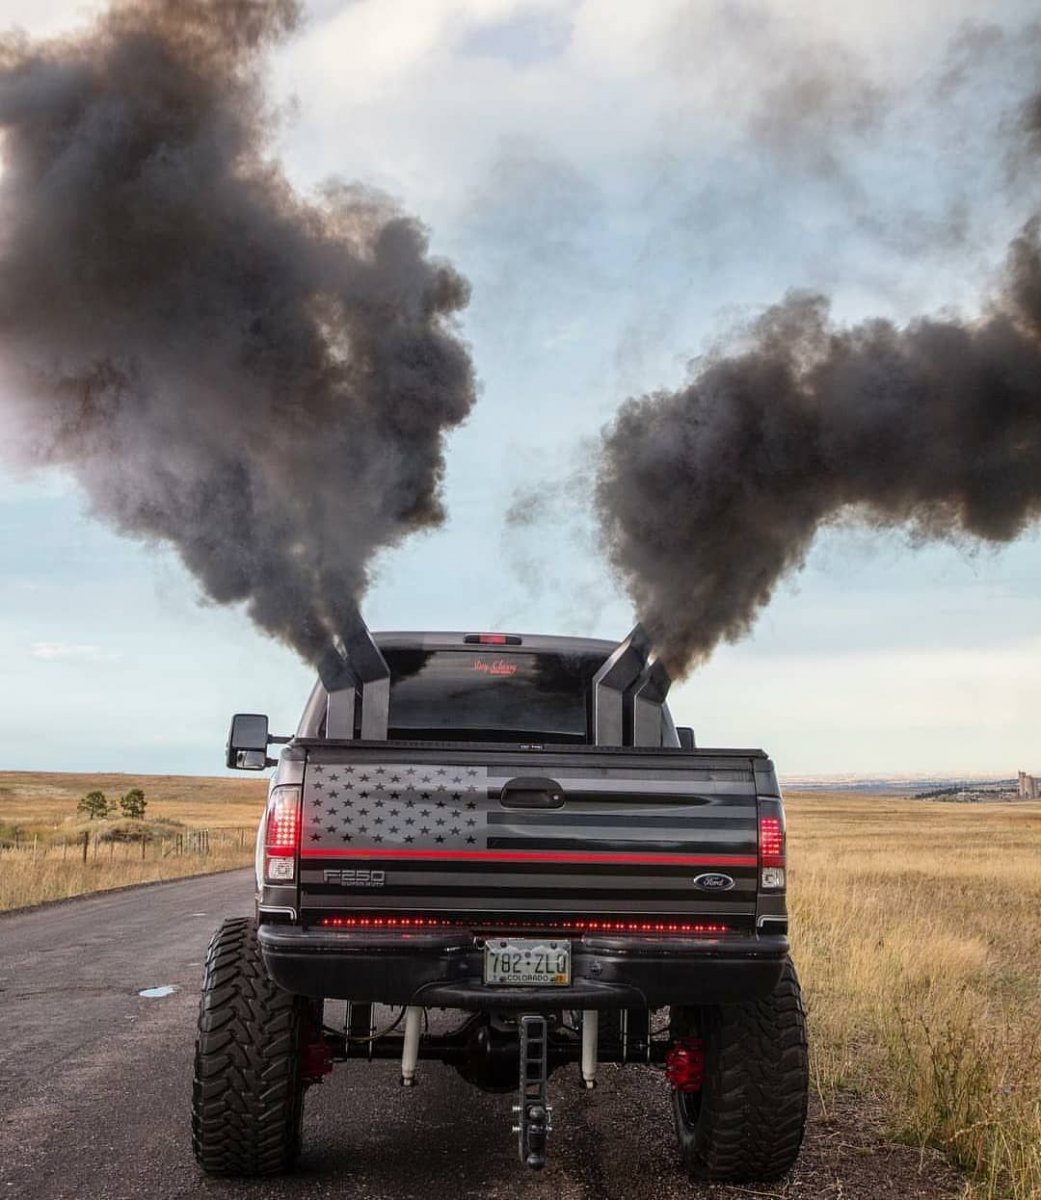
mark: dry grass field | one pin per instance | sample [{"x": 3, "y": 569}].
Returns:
[
  {"x": 38, "y": 799},
  {"x": 41, "y": 833},
  {"x": 917, "y": 932}
]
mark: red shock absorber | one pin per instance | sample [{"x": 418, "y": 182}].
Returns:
[
  {"x": 316, "y": 1056},
  {"x": 685, "y": 1064},
  {"x": 316, "y": 1061}
]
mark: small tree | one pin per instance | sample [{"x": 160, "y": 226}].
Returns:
[
  {"x": 94, "y": 805},
  {"x": 133, "y": 804}
]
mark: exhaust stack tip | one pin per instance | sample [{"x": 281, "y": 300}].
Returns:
[
  {"x": 612, "y": 683},
  {"x": 648, "y": 696},
  {"x": 355, "y": 674}
]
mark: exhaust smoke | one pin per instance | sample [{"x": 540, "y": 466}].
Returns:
[
  {"x": 709, "y": 495},
  {"x": 260, "y": 380}
]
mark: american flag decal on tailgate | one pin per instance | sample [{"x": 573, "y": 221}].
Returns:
[
  {"x": 396, "y": 806},
  {"x": 629, "y": 835}
]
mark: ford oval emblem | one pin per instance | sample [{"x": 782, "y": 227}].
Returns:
[{"x": 713, "y": 882}]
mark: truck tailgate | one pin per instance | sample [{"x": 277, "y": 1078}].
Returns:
[{"x": 396, "y": 831}]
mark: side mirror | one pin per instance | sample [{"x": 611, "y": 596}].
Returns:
[
  {"x": 247, "y": 742},
  {"x": 686, "y": 736}
]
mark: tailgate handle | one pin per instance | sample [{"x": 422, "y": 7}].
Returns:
[{"x": 530, "y": 792}]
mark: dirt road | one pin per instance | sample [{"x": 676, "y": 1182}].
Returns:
[{"x": 95, "y": 1082}]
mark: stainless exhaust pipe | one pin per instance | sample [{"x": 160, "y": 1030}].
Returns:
[
  {"x": 354, "y": 673},
  {"x": 648, "y": 695},
  {"x": 610, "y": 684}
]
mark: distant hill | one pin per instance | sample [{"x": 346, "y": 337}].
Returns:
[{"x": 900, "y": 785}]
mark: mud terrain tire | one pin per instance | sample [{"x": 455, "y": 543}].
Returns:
[
  {"x": 247, "y": 1096},
  {"x": 746, "y": 1123}
]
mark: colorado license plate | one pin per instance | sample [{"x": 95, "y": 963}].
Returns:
[{"x": 525, "y": 962}]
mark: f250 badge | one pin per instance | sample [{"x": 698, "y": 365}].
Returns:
[
  {"x": 360, "y": 878},
  {"x": 713, "y": 881}
]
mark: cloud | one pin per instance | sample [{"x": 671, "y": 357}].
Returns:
[{"x": 71, "y": 652}]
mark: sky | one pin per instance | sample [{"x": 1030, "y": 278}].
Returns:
[{"x": 621, "y": 184}]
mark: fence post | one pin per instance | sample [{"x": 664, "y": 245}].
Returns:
[
  {"x": 144, "y": 842},
  {"x": 86, "y": 843}
]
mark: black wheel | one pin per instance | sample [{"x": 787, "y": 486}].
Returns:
[
  {"x": 247, "y": 1096},
  {"x": 746, "y": 1122}
]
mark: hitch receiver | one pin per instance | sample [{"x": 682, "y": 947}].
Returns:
[{"x": 533, "y": 1111}]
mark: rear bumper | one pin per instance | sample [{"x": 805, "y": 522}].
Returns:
[{"x": 445, "y": 970}]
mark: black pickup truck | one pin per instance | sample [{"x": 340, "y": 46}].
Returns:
[{"x": 510, "y": 828}]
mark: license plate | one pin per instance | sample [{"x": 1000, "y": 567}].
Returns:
[{"x": 524, "y": 962}]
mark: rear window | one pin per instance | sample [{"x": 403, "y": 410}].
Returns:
[{"x": 489, "y": 695}]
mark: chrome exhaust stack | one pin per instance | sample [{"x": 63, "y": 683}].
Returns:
[
  {"x": 628, "y": 693},
  {"x": 647, "y": 696},
  {"x": 611, "y": 685},
  {"x": 356, "y": 678}
]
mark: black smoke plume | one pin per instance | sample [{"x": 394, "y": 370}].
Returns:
[
  {"x": 260, "y": 380},
  {"x": 708, "y": 496}
]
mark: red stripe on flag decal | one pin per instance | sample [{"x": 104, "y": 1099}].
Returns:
[{"x": 543, "y": 856}]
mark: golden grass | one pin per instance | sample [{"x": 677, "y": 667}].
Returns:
[
  {"x": 917, "y": 933},
  {"x": 57, "y": 871},
  {"x": 31, "y": 798},
  {"x": 38, "y": 814}
]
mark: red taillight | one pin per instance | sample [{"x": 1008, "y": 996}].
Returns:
[
  {"x": 645, "y": 927},
  {"x": 492, "y": 639},
  {"x": 283, "y": 822},
  {"x": 384, "y": 923},
  {"x": 282, "y": 835},
  {"x": 771, "y": 842},
  {"x": 565, "y": 926}
]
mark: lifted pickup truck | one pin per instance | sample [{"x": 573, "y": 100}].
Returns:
[{"x": 510, "y": 828}]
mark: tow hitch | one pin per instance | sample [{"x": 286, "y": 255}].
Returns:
[{"x": 533, "y": 1111}]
